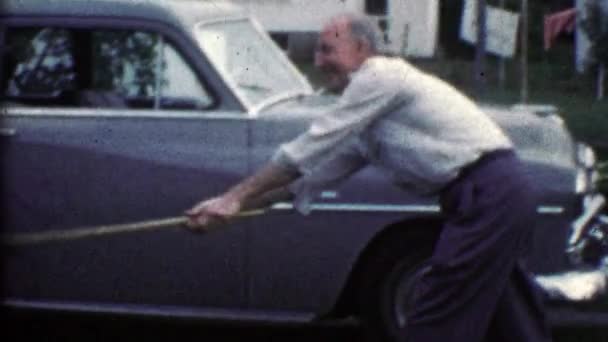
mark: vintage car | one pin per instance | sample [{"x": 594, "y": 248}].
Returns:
[{"x": 122, "y": 111}]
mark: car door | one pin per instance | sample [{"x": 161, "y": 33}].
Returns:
[
  {"x": 317, "y": 251},
  {"x": 104, "y": 126}
]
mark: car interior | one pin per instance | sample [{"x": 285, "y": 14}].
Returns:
[{"x": 87, "y": 69}]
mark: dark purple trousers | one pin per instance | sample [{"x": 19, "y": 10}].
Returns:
[{"x": 477, "y": 288}]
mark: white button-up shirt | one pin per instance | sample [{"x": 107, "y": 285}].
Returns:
[{"x": 414, "y": 126}]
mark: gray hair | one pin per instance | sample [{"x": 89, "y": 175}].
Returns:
[{"x": 365, "y": 29}]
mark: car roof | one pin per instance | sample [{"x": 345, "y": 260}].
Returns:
[{"x": 184, "y": 13}]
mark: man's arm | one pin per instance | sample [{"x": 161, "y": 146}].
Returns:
[
  {"x": 254, "y": 191},
  {"x": 267, "y": 199},
  {"x": 366, "y": 98},
  {"x": 361, "y": 102}
]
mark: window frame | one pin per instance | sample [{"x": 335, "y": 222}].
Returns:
[
  {"x": 3, "y": 51},
  {"x": 184, "y": 45}
]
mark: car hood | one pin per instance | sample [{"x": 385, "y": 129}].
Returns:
[
  {"x": 542, "y": 142},
  {"x": 543, "y": 139}
]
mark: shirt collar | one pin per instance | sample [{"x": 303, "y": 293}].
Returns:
[{"x": 366, "y": 64}]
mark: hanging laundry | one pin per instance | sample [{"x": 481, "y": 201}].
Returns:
[{"x": 556, "y": 23}]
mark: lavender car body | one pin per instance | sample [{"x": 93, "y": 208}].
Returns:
[{"x": 150, "y": 151}]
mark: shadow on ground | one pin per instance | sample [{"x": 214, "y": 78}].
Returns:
[{"x": 46, "y": 327}]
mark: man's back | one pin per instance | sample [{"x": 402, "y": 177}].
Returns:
[{"x": 428, "y": 131}]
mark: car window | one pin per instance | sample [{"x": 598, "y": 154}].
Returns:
[
  {"x": 258, "y": 71},
  {"x": 99, "y": 69},
  {"x": 39, "y": 63}
]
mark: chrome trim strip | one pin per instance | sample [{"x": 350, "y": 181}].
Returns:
[
  {"x": 164, "y": 311},
  {"x": 231, "y": 18},
  {"x": 255, "y": 110},
  {"x": 398, "y": 208},
  {"x": 329, "y": 194},
  {"x": 121, "y": 113},
  {"x": 405, "y": 208},
  {"x": 550, "y": 210}
]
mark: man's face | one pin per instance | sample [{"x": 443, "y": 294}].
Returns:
[{"x": 338, "y": 54}]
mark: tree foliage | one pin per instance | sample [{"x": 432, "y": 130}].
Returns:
[{"x": 126, "y": 60}]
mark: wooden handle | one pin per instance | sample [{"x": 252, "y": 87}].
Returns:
[{"x": 85, "y": 232}]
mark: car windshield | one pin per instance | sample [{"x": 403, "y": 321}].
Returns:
[{"x": 251, "y": 63}]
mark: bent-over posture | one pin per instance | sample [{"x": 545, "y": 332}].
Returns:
[{"x": 431, "y": 139}]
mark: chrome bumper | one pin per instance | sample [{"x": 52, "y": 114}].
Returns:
[
  {"x": 588, "y": 223},
  {"x": 582, "y": 285},
  {"x": 575, "y": 285}
]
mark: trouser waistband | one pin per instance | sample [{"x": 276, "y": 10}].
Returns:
[{"x": 479, "y": 163}]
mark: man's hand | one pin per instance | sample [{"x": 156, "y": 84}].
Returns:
[
  {"x": 248, "y": 194},
  {"x": 212, "y": 212}
]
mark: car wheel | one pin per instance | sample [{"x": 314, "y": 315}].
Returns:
[{"x": 385, "y": 295}]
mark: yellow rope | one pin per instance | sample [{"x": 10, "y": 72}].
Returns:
[{"x": 86, "y": 232}]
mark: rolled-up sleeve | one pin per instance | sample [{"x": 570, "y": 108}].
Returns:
[
  {"x": 345, "y": 162},
  {"x": 362, "y": 102}
]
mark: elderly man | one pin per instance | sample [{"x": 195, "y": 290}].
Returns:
[{"x": 431, "y": 139}]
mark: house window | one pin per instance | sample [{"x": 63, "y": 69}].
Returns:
[{"x": 376, "y": 7}]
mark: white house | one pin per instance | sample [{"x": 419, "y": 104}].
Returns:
[{"x": 410, "y": 26}]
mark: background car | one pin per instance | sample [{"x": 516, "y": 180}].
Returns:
[{"x": 121, "y": 111}]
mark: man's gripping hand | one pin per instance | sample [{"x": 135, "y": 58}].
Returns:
[
  {"x": 249, "y": 193},
  {"x": 211, "y": 213}
]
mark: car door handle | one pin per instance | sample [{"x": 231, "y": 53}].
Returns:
[
  {"x": 329, "y": 194},
  {"x": 7, "y": 132}
]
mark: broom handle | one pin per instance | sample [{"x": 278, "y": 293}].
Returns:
[{"x": 85, "y": 232}]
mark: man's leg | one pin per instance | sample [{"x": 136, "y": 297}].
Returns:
[
  {"x": 520, "y": 313},
  {"x": 487, "y": 228}
]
